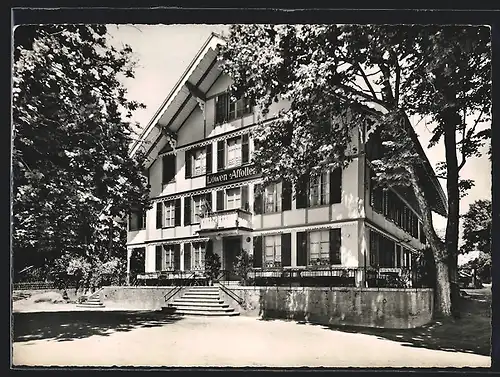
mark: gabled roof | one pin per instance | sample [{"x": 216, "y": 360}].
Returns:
[{"x": 175, "y": 102}]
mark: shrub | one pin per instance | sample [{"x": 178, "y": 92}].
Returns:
[
  {"x": 243, "y": 265},
  {"x": 212, "y": 265}
]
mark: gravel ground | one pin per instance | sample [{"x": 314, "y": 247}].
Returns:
[{"x": 151, "y": 339}]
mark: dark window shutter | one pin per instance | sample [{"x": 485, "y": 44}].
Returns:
[
  {"x": 301, "y": 193},
  {"x": 208, "y": 199},
  {"x": 301, "y": 248},
  {"x": 286, "y": 249},
  {"x": 209, "y": 158},
  {"x": 177, "y": 257},
  {"x": 244, "y": 198},
  {"x": 286, "y": 196},
  {"x": 257, "y": 251},
  {"x": 221, "y": 108},
  {"x": 159, "y": 215},
  {"x": 335, "y": 243},
  {"x": 188, "y": 164},
  {"x": 187, "y": 210},
  {"x": 159, "y": 252},
  {"x": 245, "y": 151},
  {"x": 336, "y": 186},
  {"x": 168, "y": 168},
  {"x": 187, "y": 257},
  {"x": 220, "y": 200},
  {"x": 177, "y": 220},
  {"x": 130, "y": 222},
  {"x": 257, "y": 200},
  {"x": 220, "y": 155}
]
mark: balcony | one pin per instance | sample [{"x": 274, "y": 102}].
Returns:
[{"x": 226, "y": 221}]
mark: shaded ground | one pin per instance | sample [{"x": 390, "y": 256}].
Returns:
[
  {"x": 470, "y": 334},
  {"x": 151, "y": 339},
  {"x": 71, "y": 325}
]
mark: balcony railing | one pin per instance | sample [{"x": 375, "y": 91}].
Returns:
[{"x": 226, "y": 219}]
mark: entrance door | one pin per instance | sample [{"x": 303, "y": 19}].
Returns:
[{"x": 232, "y": 246}]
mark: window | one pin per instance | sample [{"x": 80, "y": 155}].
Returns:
[
  {"x": 198, "y": 256},
  {"x": 382, "y": 251},
  {"x": 227, "y": 110},
  {"x": 197, "y": 208},
  {"x": 233, "y": 198},
  {"x": 239, "y": 108},
  {"x": 272, "y": 256},
  {"x": 233, "y": 152},
  {"x": 319, "y": 248},
  {"x": 137, "y": 221},
  {"x": 169, "y": 219},
  {"x": 272, "y": 202},
  {"x": 318, "y": 190},
  {"x": 168, "y": 258},
  {"x": 199, "y": 163}
]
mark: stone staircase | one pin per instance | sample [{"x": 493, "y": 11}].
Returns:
[
  {"x": 201, "y": 301},
  {"x": 94, "y": 301}
]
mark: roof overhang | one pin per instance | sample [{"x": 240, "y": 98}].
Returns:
[
  {"x": 432, "y": 187},
  {"x": 186, "y": 94}
]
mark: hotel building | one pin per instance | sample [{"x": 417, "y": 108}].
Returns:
[{"x": 204, "y": 195}]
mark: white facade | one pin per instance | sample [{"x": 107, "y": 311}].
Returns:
[{"x": 199, "y": 137}]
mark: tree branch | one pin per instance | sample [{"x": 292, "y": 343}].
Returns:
[
  {"x": 469, "y": 134},
  {"x": 365, "y": 78},
  {"x": 398, "y": 81}
]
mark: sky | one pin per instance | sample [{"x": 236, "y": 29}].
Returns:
[{"x": 163, "y": 53}]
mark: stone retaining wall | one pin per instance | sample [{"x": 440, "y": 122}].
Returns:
[{"x": 369, "y": 307}]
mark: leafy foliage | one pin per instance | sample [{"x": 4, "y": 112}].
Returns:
[
  {"x": 243, "y": 265},
  {"x": 212, "y": 265},
  {"x": 338, "y": 78},
  {"x": 477, "y": 228},
  {"x": 73, "y": 178}
]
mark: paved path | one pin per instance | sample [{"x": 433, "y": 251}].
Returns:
[{"x": 236, "y": 341}]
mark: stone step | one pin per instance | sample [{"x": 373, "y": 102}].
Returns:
[
  {"x": 210, "y": 309},
  {"x": 201, "y": 293},
  {"x": 199, "y": 304},
  {"x": 199, "y": 300},
  {"x": 202, "y": 297},
  {"x": 90, "y": 305},
  {"x": 205, "y": 313}
]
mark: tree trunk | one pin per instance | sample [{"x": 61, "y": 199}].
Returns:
[
  {"x": 442, "y": 295},
  {"x": 442, "y": 292},
  {"x": 450, "y": 119}
]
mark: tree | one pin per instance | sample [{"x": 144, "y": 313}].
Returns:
[
  {"x": 73, "y": 179},
  {"x": 352, "y": 75},
  {"x": 477, "y": 237},
  {"x": 450, "y": 80}
]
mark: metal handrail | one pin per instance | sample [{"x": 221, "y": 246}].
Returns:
[
  {"x": 177, "y": 288},
  {"x": 231, "y": 293}
]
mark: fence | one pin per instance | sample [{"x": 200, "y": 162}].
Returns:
[{"x": 33, "y": 285}]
